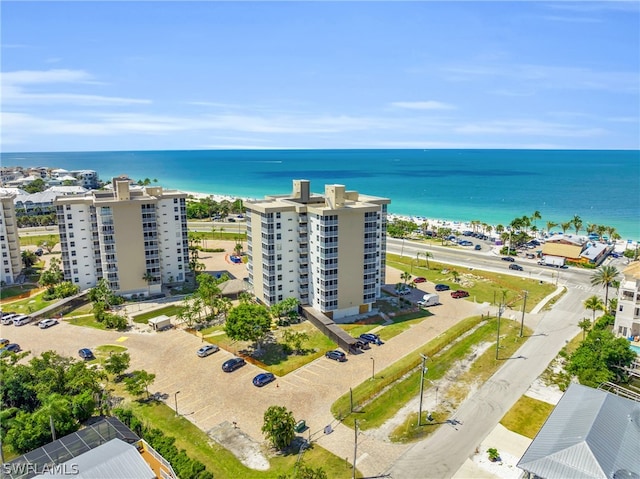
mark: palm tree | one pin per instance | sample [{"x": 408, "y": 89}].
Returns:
[
  {"x": 585, "y": 325},
  {"x": 148, "y": 277},
  {"x": 565, "y": 226},
  {"x": 601, "y": 230},
  {"x": 611, "y": 231},
  {"x": 427, "y": 255},
  {"x": 456, "y": 276},
  {"x": 550, "y": 226},
  {"x": 406, "y": 277},
  {"x": 577, "y": 223},
  {"x": 536, "y": 216},
  {"x": 595, "y": 304},
  {"x": 605, "y": 276}
]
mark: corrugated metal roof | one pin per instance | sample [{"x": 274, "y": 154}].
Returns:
[
  {"x": 564, "y": 250},
  {"x": 591, "y": 433},
  {"x": 113, "y": 460}
]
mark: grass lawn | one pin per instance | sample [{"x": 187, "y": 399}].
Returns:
[
  {"x": 401, "y": 322},
  {"x": 84, "y": 320},
  {"x": 482, "y": 285},
  {"x": 222, "y": 463},
  {"x": 106, "y": 349},
  {"x": 527, "y": 416},
  {"x": 33, "y": 240},
  {"x": 273, "y": 358},
  {"x": 28, "y": 305},
  {"x": 379, "y": 400},
  {"x": 144, "y": 318}
]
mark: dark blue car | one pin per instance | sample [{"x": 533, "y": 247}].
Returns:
[
  {"x": 86, "y": 354},
  {"x": 263, "y": 378}
]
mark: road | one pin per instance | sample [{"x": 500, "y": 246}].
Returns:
[{"x": 444, "y": 452}]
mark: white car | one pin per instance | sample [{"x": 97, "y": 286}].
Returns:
[
  {"x": 403, "y": 291},
  {"x": 21, "y": 320},
  {"x": 46, "y": 323}
]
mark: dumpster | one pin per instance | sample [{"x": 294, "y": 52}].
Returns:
[{"x": 301, "y": 426}]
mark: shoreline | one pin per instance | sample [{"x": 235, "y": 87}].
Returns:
[{"x": 455, "y": 225}]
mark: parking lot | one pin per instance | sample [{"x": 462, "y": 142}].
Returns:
[{"x": 209, "y": 397}]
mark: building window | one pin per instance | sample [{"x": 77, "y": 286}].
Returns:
[
  {"x": 279, "y": 236},
  {"x": 278, "y": 215}
]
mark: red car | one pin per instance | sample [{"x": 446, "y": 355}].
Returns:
[
  {"x": 460, "y": 293},
  {"x": 420, "y": 279}
]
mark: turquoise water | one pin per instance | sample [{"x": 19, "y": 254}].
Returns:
[
  {"x": 635, "y": 348},
  {"x": 493, "y": 186}
]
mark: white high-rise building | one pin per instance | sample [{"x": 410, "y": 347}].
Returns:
[
  {"x": 627, "y": 321},
  {"x": 328, "y": 251},
  {"x": 9, "y": 241},
  {"x": 134, "y": 237}
]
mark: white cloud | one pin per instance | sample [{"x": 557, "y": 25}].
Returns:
[
  {"x": 15, "y": 89},
  {"x": 528, "y": 127},
  {"x": 423, "y": 105}
]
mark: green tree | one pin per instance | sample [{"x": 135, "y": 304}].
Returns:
[
  {"x": 149, "y": 278},
  {"x": 304, "y": 471},
  {"x": 594, "y": 304},
  {"x": 585, "y": 325},
  {"x": 577, "y": 223},
  {"x": 138, "y": 382},
  {"x": 248, "y": 322},
  {"x": 36, "y": 186},
  {"x": 600, "y": 358},
  {"x": 53, "y": 275},
  {"x": 605, "y": 276},
  {"x": 565, "y": 226},
  {"x": 49, "y": 244},
  {"x": 456, "y": 275},
  {"x": 29, "y": 258},
  {"x": 405, "y": 277},
  {"x": 279, "y": 426},
  {"x": 294, "y": 339},
  {"x": 117, "y": 363}
]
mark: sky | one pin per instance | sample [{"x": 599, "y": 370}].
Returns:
[{"x": 162, "y": 75}]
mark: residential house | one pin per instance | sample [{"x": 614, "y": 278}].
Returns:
[{"x": 627, "y": 321}]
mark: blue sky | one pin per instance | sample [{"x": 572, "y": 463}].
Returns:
[{"x": 91, "y": 76}]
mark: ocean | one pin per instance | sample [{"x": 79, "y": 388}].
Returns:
[{"x": 492, "y": 186}]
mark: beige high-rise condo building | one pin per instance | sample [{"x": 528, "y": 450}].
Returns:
[
  {"x": 9, "y": 241},
  {"x": 328, "y": 251},
  {"x": 135, "y": 238}
]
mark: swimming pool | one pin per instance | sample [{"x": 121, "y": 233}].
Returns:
[{"x": 635, "y": 348}]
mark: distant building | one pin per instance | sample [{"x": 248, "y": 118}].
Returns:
[
  {"x": 578, "y": 249},
  {"x": 135, "y": 239},
  {"x": 627, "y": 322},
  {"x": 9, "y": 241},
  {"x": 591, "y": 433},
  {"x": 328, "y": 251}
]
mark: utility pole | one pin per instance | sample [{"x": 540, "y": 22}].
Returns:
[
  {"x": 355, "y": 447},
  {"x": 500, "y": 310},
  {"x": 423, "y": 370},
  {"x": 175, "y": 398},
  {"x": 524, "y": 306}
]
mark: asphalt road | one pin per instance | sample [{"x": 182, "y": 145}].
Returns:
[{"x": 444, "y": 452}]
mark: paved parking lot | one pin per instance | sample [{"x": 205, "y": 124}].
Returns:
[{"x": 209, "y": 397}]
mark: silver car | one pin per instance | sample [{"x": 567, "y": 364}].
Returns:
[
  {"x": 205, "y": 351},
  {"x": 47, "y": 323}
]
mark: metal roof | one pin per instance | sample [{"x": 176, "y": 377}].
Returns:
[
  {"x": 112, "y": 460},
  {"x": 68, "y": 447},
  {"x": 591, "y": 433}
]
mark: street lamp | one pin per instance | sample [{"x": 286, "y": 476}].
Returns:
[
  {"x": 373, "y": 369},
  {"x": 422, "y": 373},
  {"x": 175, "y": 398}
]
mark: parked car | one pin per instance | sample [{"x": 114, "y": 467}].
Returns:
[
  {"x": 336, "y": 355},
  {"x": 419, "y": 279},
  {"x": 477, "y": 247},
  {"x": 442, "y": 287},
  {"x": 205, "y": 351},
  {"x": 360, "y": 344},
  {"x": 21, "y": 320},
  {"x": 517, "y": 267},
  {"x": 263, "y": 378},
  {"x": 38, "y": 252},
  {"x": 459, "y": 293},
  {"x": 371, "y": 338},
  {"x": 4, "y": 342},
  {"x": 10, "y": 348},
  {"x": 403, "y": 291},
  {"x": 508, "y": 258},
  {"x": 86, "y": 354},
  {"x": 233, "y": 364},
  {"x": 7, "y": 319},
  {"x": 47, "y": 323}
]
